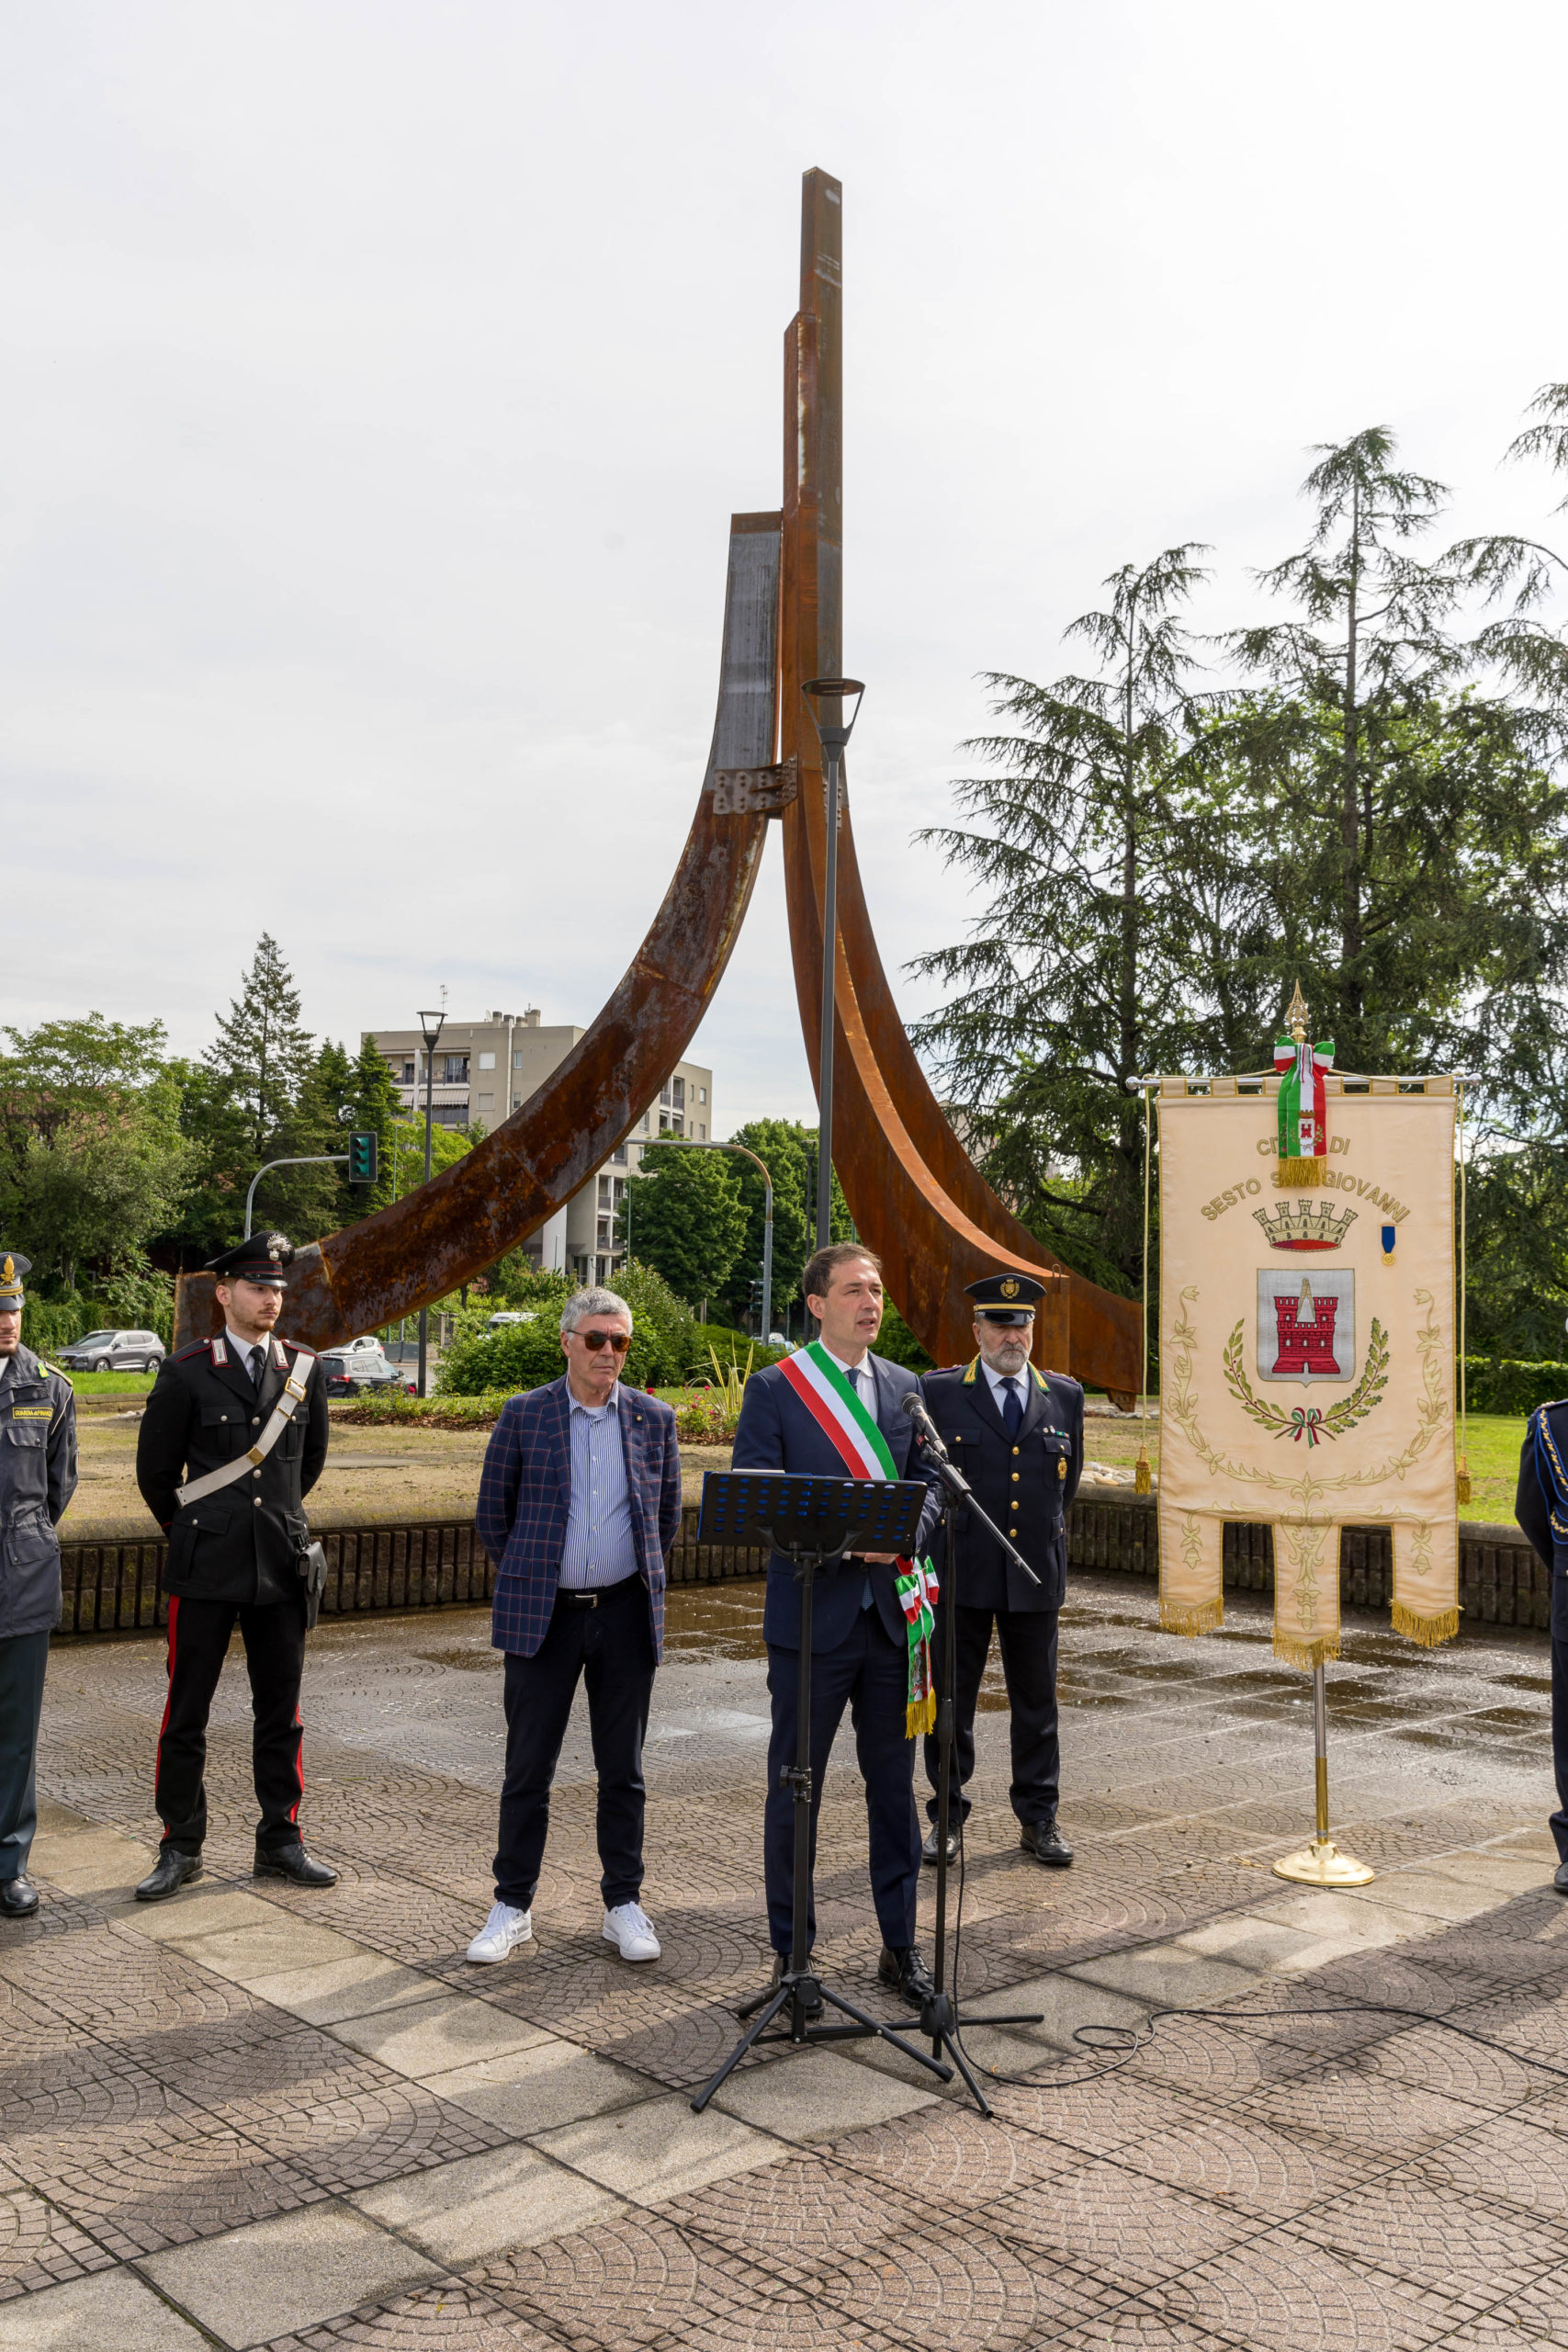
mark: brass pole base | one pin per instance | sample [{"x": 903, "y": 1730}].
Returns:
[{"x": 1322, "y": 1864}]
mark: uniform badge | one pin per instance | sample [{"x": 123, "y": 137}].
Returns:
[{"x": 1009, "y": 1288}]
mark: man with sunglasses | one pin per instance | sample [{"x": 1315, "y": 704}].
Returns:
[{"x": 580, "y": 1499}]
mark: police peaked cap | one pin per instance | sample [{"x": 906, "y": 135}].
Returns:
[
  {"x": 260, "y": 1258},
  {"x": 1006, "y": 1297},
  {"x": 11, "y": 1269}
]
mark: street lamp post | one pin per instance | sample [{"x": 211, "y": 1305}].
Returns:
[
  {"x": 825, "y": 700},
  {"x": 430, "y": 1025}
]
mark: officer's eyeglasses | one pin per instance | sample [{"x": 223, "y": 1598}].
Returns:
[{"x": 594, "y": 1341}]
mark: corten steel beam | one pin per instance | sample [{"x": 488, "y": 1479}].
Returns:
[
  {"x": 912, "y": 1189},
  {"x": 447, "y": 1231}
]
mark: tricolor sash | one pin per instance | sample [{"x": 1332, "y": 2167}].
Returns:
[{"x": 860, "y": 1445}]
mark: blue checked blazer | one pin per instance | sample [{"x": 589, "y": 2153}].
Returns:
[{"x": 525, "y": 1494}]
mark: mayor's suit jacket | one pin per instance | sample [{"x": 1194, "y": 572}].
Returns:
[
  {"x": 777, "y": 1432},
  {"x": 525, "y": 1495}
]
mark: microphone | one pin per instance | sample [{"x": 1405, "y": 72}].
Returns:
[{"x": 913, "y": 1405}]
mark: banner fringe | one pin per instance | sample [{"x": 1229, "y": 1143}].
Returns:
[
  {"x": 1298, "y": 1171},
  {"x": 1308, "y": 1656},
  {"x": 1428, "y": 1630},
  {"x": 1191, "y": 1617},
  {"x": 919, "y": 1716}
]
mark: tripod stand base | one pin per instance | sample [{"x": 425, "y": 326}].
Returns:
[
  {"x": 1322, "y": 1864},
  {"x": 861, "y": 2027}
]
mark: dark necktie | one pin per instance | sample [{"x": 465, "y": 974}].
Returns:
[
  {"x": 1013, "y": 1408},
  {"x": 258, "y": 1357}
]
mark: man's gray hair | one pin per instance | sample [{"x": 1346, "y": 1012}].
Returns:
[{"x": 583, "y": 1303}]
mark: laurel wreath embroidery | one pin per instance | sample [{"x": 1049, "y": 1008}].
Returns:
[{"x": 1309, "y": 1422}]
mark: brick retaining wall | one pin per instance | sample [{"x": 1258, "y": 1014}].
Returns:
[{"x": 111, "y": 1576}]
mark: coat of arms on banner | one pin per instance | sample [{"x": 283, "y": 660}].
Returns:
[{"x": 1306, "y": 1326}]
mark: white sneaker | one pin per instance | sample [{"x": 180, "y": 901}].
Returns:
[
  {"x": 502, "y": 1933},
  {"x": 630, "y": 1930}
]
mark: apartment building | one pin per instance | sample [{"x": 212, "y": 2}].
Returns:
[{"x": 483, "y": 1070}]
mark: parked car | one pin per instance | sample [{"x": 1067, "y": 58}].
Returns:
[
  {"x": 113, "y": 1352},
  {"x": 500, "y": 1322},
  {"x": 347, "y": 1370}
]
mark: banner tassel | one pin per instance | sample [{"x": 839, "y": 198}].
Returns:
[
  {"x": 1461, "y": 1481},
  {"x": 1426, "y": 1631},
  {"x": 1191, "y": 1617},
  {"x": 1308, "y": 1656},
  {"x": 1298, "y": 1171},
  {"x": 1143, "y": 1476}
]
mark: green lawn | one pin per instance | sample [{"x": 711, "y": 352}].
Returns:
[
  {"x": 1494, "y": 1442},
  {"x": 109, "y": 1384}
]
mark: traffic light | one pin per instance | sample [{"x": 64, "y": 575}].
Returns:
[{"x": 362, "y": 1158}]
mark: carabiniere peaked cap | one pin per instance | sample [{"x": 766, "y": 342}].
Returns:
[
  {"x": 1006, "y": 1297},
  {"x": 260, "y": 1258},
  {"x": 11, "y": 1269}
]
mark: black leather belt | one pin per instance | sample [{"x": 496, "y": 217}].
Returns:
[{"x": 569, "y": 1599}]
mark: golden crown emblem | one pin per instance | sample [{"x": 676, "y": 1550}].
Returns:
[{"x": 1305, "y": 1224}]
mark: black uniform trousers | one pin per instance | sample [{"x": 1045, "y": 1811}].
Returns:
[
  {"x": 23, "y": 1659},
  {"x": 1027, "y": 1639},
  {"x": 274, "y": 1635},
  {"x": 1560, "y": 1708},
  {"x": 610, "y": 1646},
  {"x": 869, "y": 1673}
]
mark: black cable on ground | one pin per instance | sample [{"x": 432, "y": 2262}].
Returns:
[{"x": 1127, "y": 2040}]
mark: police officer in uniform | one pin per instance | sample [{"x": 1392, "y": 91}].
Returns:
[
  {"x": 242, "y": 1420},
  {"x": 1542, "y": 1509},
  {"x": 1017, "y": 1435},
  {"x": 38, "y": 1478}
]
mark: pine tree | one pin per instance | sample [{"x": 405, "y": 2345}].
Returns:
[
  {"x": 376, "y": 1106},
  {"x": 261, "y": 1054}
]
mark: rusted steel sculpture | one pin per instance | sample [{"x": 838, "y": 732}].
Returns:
[
  {"x": 912, "y": 1189},
  {"x": 452, "y": 1228}
]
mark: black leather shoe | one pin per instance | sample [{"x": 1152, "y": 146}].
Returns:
[
  {"x": 813, "y": 2000},
  {"x": 929, "y": 1851},
  {"x": 1561, "y": 1880},
  {"x": 168, "y": 1874},
  {"x": 293, "y": 1863},
  {"x": 18, "y": 1898},
  {"x": 908, "y": 1973},
  {"x": 1047, "y": 1843}
]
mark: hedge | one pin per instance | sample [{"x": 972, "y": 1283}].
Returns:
[{"x": 1513, "y": 1385}]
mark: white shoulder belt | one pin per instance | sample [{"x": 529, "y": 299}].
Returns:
[{"x": 294, "y": 1393}]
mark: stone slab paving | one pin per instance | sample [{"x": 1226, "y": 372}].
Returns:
[{"x": 267, "y": 2119}]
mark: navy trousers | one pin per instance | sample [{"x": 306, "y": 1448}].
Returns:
[
  {"x": 274, "y": 1635},
  {"x": 1560, "y": 1709},
  {"x": 23, "y": 1659},
  {"x": 1027, "y": 1639},
  {"x": 869, "y": 1673},
  {"x": 611, "y": 1648}
]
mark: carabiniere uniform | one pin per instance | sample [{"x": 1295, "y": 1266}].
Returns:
[
  {"x": 1023, "y": 1479},
  {"x": 1542, "y": 1509},
  {"x": 38, "y": 1478},
  {"x": 225, "y": 1465}
]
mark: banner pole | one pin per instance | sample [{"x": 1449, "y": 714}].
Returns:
[{"x": 1322, "y": 1863}]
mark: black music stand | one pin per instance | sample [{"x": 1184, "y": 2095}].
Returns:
[{"x": 812, "y": 1520}]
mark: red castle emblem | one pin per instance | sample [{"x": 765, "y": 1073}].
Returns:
[{"x": 1305, "y": 1329}]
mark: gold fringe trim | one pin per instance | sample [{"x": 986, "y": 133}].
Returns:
[
  {"x": 1143, "y": 1476},
  {"x": 1461, "y": 1481},
  {"x": 919, "y": 1716},
  {"x": 1428, "y": 1630},
  {"x": 1191, "y": 1617},
  {"x": 1298, "y": 1171},
  {"x": 1308, "y": 1656}
]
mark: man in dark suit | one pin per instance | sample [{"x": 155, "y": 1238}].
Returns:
[
  {"x": 580, "y": 1500},
  {"x": 242, "y": 1420},
  {"x": 860, "y": 1648},
  {"x": 1542, "y": 1509},
  {"x": 1017, "y": 1435}
]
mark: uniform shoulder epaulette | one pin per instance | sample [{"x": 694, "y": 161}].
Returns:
[
  {"x": 191, "y": 1348},
  {"x": 1550, "y": 1469},
  {"x": 52, "y": 1371},
  {"x": 300, "y": 1349}
]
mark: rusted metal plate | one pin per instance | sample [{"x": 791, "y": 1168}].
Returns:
[
  {"x": 912, "y": 1189},
  {"x": 448, "y": 1230}
]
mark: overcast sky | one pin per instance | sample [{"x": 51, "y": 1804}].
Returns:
[{"x": 377, "y": 381}]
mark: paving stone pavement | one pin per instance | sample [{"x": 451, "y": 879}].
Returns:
[{"x": 260, "y": 2118}]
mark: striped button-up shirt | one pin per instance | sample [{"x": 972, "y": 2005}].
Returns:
[{"x": 599, "y": 1547}]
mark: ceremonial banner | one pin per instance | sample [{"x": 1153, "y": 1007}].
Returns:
[{"x": 1308, "y": 1339}]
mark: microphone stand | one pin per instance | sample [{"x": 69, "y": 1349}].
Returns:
[{"x": 939, "y": 2015}]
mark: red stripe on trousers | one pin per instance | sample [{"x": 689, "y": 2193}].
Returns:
[
  {"x": 299, "y": 1771},
  {"x": 168, "y": 1703}
]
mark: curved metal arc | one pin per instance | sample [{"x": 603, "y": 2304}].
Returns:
[{"x": 444, "y": 1233}]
